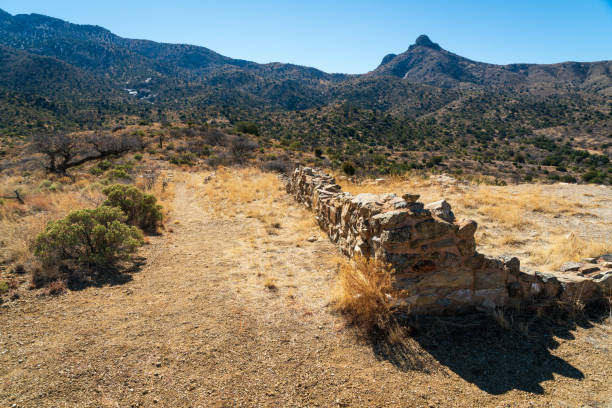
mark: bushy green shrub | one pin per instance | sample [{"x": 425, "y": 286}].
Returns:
[
  {"x": 348, "y": 168},
  {"x": 117, "y": 174},
  {"x": 3, "y": 288},
  {"x": 141, "y": 209},
  {"x": 88, "y": 238},
  {"x": 183, "y": 158},
  {"x": 247, "y": 127}
]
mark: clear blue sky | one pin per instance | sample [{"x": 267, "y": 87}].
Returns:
[{"x": 353, "y": 36}]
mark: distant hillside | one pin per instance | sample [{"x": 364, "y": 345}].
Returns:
[{"x": 419, "y": 105}]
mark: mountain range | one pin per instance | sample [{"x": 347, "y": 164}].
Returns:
[
  {"x": 62, "y": 75},
  {"x": 112, "y": 62}
]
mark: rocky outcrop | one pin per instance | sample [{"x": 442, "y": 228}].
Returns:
[{"x": 438, "y": 269}]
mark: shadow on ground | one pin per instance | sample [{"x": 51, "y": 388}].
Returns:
[
  {"x": 481, "y": 352},
  {"x": 118, "y": 276}
]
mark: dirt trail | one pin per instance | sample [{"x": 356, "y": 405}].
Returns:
[{"x": 197, "y": 327}]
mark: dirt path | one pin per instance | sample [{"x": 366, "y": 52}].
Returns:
[{"x": 197, "y": 327}]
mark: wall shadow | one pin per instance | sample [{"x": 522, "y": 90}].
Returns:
[{"x": 480, "y": 351}]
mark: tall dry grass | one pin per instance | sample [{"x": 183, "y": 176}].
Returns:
[
  {"x": 363, "y": 293},
  {"x": 231, "y": 191},
  {"x": 568, "y": 247},
  {"x": 255, "y": 194},
  {"x": 21, "y": 222}
]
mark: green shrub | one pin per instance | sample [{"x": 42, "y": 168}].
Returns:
[
  {"x": 138, "y": 156},
  {"x": 105, "y": 164},
  {"x": 3, "y": 288},
  {"x": 348, "y": 168},
  {"x": 117, "y": 174},
  {"x": 140, "y": 208},
  {"x": 183, "y": 158},
  {"x": 88, "y": 238},
  {"x": 247, "y": 127},
  {"x": 48, "y": 185}
]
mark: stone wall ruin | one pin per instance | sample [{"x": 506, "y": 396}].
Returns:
[{"x": 438, "y": 269}]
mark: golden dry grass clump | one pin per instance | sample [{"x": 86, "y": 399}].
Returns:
[{"x": 363, "y": 293}]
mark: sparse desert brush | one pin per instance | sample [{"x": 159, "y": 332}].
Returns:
[
  {"x": 141, "y": 209},
  {"x": 363, "y": 293},
  {"x": 54, "y": 288},
  {"x": 90, "y": 239},
  {"x": 569, "y": 247}
]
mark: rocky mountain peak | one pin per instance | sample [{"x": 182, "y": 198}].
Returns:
[{"x": 424, "y": 41}]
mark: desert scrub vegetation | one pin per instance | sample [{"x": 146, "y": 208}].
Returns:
[
  {"x": 48, "y": 197},
  {"x": 92, "y": 239},
  {"x": 141, "y": 209},
  {"x": 363, "y": 293}
]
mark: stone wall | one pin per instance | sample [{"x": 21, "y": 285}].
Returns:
[{"x": 438, "y": 269}]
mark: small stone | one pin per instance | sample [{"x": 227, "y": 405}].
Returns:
[
  {"x": 570, "y": 267},
  {"x": 586, "y": 270},
  {"x": 391, "y": 219},
  {"x": 312, "y": 239},
  {"x": 547, "y": 277},
  {"x": 441, "y": 209},
  {"x": 605, "y": 282},
  {"x": 605, "y": 258},
  {"x": 589, "y": 260},
  {"x": 467, "y": 228},
  {"x": 158, "y": 364},
  {"x": 411, "y": 198}
]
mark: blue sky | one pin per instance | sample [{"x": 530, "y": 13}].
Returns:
[{"x": 353, "y": 36}]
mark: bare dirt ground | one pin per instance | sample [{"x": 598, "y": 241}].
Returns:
[{"x": 227, "y": 311}]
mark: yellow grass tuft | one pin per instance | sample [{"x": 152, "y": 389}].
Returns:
[{"x": 363, "y": 293}]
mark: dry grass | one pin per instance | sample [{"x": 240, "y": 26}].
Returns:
[
  {"x": 567, "y": 247},
  {"x": 363, "y": 293},
  {"x": 230, "y": 190},
  {"x": 20, "y": 223},
  {"x": 252, "y": 193}
]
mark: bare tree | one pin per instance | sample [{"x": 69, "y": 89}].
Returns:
[
  {"x": 64, "y": 150},
  {"x": 241, "y": 148}
]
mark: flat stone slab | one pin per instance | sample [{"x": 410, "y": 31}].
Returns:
[
  {"x": 570, "y": 267},
  {"x": 587, "y": 270}
]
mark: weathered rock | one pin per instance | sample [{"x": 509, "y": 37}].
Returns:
[
  {"x": 605, "y": 282},
  {"x": 441, "y": 209},
  {"x": 570, "y": 267},
  {"x": 605, "y": 258},
  {"x": 588, "y": 269},
  {"x": 411, "y": 198}
]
